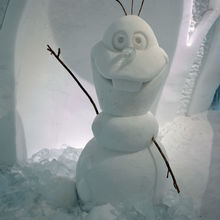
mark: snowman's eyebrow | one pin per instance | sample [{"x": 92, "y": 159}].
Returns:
[
  {"x": 122, "y": 7},
  {"x": 142, "y": 3}
]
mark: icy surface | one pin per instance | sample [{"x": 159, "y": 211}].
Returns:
[
  {"x": 3, "y": 9},
  {"x": 26, "y": 190},
  {"x": 192, "y": 144},
  {"x": 204, "y": 92},
  {"x": 192, "y": 78},
  {"x": 60, "y": 162},
  {"x": 199, "y": 8},
  {"x": 24, "y": 195},
  {"x": 42, "y": 189}
]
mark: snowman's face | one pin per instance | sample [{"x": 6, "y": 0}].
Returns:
[{"x": 128, "y": 59}]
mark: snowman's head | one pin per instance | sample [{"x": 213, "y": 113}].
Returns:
[{"x": 128, "y": 66}]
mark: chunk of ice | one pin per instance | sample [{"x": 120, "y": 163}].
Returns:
[{"x": 44, "y": 189}]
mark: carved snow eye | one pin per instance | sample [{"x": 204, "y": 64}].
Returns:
[
  {"x": 139, "y": 41},
  {"x": 120, "y": 40}
]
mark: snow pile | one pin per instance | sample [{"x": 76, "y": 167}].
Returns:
[
  {"x": 60, "y": 162},
  {"x": 192, "y": 145},
  {"x": 173, "y": 208},
  {"x": 44, "y": 188},
  {"x": 33, "y": 190}
]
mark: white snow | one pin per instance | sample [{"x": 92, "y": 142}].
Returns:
[
  {"x": 192, "y": 144},
  {"x": 126, "y": 63},
  {"x": 44, "y": 188},
  {"x": 122, "y": 164},
  {"x": 125, "y": 134},
  {"x": 53, "y": 93}
]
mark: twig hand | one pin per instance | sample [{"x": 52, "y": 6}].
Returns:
[
  {"x": 57, "y": 55},
  {"x": 168, "y": 166}
]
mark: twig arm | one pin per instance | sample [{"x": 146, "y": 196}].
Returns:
[
  {"x": 132, "y": 7},
  {"x": 122, "y": 7},
  {"x": 142, "y": 3},
  {"x": 57, "y": 56},
  {"x": 168, "y": 166}
]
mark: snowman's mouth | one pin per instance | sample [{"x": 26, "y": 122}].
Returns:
[{"x": 126, "y": 85}]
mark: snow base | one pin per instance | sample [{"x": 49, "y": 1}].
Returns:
[{"x": 44, "y": 189}]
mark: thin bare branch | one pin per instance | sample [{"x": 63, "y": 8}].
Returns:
[
  {"x": 122, "y": 6},
  {"x": 168, "y": 172},
  {"x": 168, "y": 166},
  {"x": 132, "y": 7},
  {"x": 142, "y": 3},
  {"x": 73, "y": 76}
]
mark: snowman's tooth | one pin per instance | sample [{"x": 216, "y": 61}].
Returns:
[{"x": 125, "y": 85}]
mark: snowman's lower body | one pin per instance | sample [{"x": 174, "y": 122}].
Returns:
[{"x": 105, "y": 176}]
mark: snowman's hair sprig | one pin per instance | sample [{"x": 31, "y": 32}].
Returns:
[
  {"x": 132, "y": 7},
  {"x": 122, "y": 7},
  {"x": 142, "y": 3}
]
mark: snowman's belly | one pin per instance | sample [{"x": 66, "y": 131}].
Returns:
[{"x": 105, "y": 176}]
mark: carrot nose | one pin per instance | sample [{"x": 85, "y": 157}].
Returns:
[
  {"x": 129, "y": 52},
  {"x": 125, "y": 57}
]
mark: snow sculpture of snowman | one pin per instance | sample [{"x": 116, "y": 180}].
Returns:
[{"x": 121, "y": 163}]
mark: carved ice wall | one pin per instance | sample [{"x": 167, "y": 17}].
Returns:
[
  {"x": 199, "y": 8},
  {"x": 207, "y": 74},
  {"x": 10, "y": 152},
  {"x": 3, "y": 9},
  {"x": 194, "y": 75}
]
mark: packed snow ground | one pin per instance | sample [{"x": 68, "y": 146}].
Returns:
[
  {"x": 36, "y": 191},
  {"x": 193, "y": 147}
]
